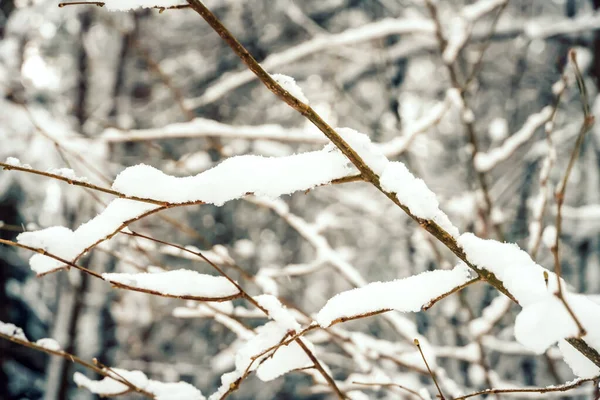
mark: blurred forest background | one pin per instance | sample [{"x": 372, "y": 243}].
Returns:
[{"x": 98, "y": 91}]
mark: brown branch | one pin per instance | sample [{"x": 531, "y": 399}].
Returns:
[
  {"x": 115, "y": 284},
  {"x": 321, "y": 370},
  {"x": 389, "y": 384},
  {"x": 588, "y": 122},
  {"x": 448, "y": 240},
  {"x": 82, "y": 184},
  {"x": 458, "y": 288},
  {"x": 244, "y": 294},
  {"x": 76, "y": 3},
  {"x": 77, "y": 360},
  {"x": 429, "y": 369},
  {"x": 549, "y": 389},
  {"x": 467, "y": 122},
  {"x": 486, "y": 44},
  {"x": 102, "y": 4}
]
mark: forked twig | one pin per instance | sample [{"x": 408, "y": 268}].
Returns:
[{"x": 588, "y": 121}]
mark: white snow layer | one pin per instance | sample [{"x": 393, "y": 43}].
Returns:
[
  {"x": 179, "y": 283},
  {"x": 16, "y": 332},
  {"x": 521, "y": 276},
  {"x": 161, "y": 391},
  {"x": 406, "y": 295},
  {"x": 12, "y": 330},
  {"x": 277, "y": 312},
  {"x": 48, "y": 343},
  {"x": 484, "y": 162},
  {"x": 126, "y": 5},
  {"x": 414, "y": 193},
  {"x": 68, "y": 244},
  {"x": 289, "y": 84},
  {"x": 544, "y": 320},
  {"x": 579, "y": 364},
  {"x": 285, "y": 359},
  {"x": 236, "y": 177},
  {"x": 233, "y": 178}
]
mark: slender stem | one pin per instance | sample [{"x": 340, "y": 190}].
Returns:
[
  {"x": 115, "y": 284},
  {"x": 87, "y": 3},
  {"x": 77, "y": 360},
  {"x": 458, "y": 288},
  {"x": 588, "y": 122},
  {"x": 549, "y": 389},
  {"x": 389, "y": 384},
  {"x": 76, "y": 182},
  {"x": 320, "y": 368},
  {"x": 468, "y": 123},
  {"x": 416, "y": 341},
  {"x": 439, "y": 233}
]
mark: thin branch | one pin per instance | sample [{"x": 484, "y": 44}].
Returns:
[
  {"x": 588, "y": 122},
  {"x": 549, "y": 389},
  {"x": 429, "y": 369},
  {"x": 77, "y": 360},
  {"x": 467, "y": 122},
  {"x": 364, "y": 169},
  {"x": 486, "y": 43},
  {"x": 115, "y": 284},
  {"x": 84, "y": 184},
  {"x": 102, "y": 4},
  {"x": 458, "y": 288},
  {"x": 321, "y": 370},
  {"x": 76, "y": 3},
  {"x": 243, "y": 293},
  {"x": 389, "y": 384}
]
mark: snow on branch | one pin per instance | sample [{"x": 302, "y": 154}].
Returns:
[
  {"x": 544, "y": 319},
  {"x": 236, "y": 177},
  {"x": 545, "y": 322},
  {"x": 406, "y": 295},
  {"x": 12, "y": 331},
  {"x": 473, "y": 12},
  {"x": 203, "y": 127},
  {"x": 521, "y": 276},
  {"x": 112, "y": 385},
  {"x": 266, "y": 354},
  {"x": 126, "y": 5},
  {"x": 581, "y": 366},
  {"x": 484, "y": 162},
  {"x": 289, "y": 84},
  {"x": 365, "y": 33},
  {"x": 69, "y": 245},
  {"x": 180, "y": 283},
  {"x": 414, "y": 194},
  {"x": 149, "y": 190}
]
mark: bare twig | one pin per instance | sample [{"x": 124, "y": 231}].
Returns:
[
  {"x": 467, "y": 122},
  {"x": 429, "y": 369},
  {"x": 365, "y": 170},
  {"x": 75, "y": 359},
  {"x": 458, "y": 288},
  {"x": 549, "y": 389},
  {"x": 588, "y": 121},
  {"x": 388, "y": 384}
]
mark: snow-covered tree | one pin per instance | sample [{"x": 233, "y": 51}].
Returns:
[{"x": 317, "y": 199}]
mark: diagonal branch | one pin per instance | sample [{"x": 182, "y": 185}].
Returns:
[{"x": 368, "y": 174}]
